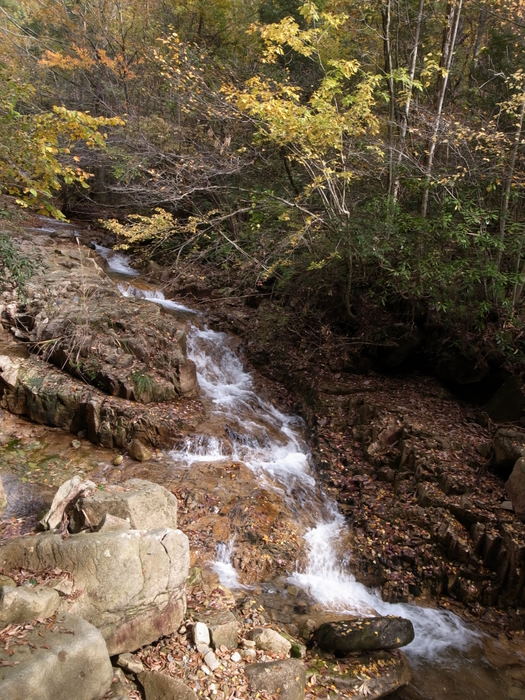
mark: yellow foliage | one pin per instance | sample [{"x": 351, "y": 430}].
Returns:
[{"x": 36, "y": 156}]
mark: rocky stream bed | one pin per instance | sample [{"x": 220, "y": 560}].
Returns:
[{"x": 385, "y": 483}]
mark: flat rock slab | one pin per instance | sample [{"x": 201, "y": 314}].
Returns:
[
  {"x": 286, "y": 678},
  {"x": 364, "y": 634},
  {"x": 129, "y": 584},
  {"x": 145, "y": 505},
  {"x": 66, "y": 660}
]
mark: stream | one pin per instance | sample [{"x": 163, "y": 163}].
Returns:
[{"x": 446, "y": 651}]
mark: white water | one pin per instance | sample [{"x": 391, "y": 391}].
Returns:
[
  {"x": 154, "y": 295},
  {"x": 276, "y": 449},
  {"x": 224, "y": 568},
  {"x": 270, "y": 443},
  {"x": 117, "y": 262}
]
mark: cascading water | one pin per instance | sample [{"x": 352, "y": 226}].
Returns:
[
  {"x": 117, "y": 262},
  {"x": 154, "y": 295},
  {"x": 270, "y": 443},
  {"x": 224, "y": 568},
  {"x": 282, "y": 455}
]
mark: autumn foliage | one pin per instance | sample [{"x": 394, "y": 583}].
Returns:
[{"x": 331, "y": 150}]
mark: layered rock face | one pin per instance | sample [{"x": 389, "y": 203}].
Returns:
[
  {"x": 439, "y": 502},
  {"x": 99, "y": 362}
]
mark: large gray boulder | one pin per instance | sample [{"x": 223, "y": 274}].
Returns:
[
  {"x": 60, "y": 662},
  {"x": 270, "y": 640},
  {"x": 129, "y": 584},
  {"x": 364, "y": 634},
  {"x": 145, "y": 505}
]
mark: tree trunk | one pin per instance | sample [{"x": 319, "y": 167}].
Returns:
[
  {"x": 505, "y": 199},
  {"x": 449, "y": 44},
  {"x": 386, "y": 13},
  {"x": 408, "y": 103}
]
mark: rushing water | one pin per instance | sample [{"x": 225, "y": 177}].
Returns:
[{"x": 271, "y": 444}]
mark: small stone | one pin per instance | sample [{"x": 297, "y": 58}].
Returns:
[
  {"x": 159, "y": 686},
  {"x": 137, "y": 450},
  {"x": 129, "y": 663},
  {"x": 248, "y": 643},
  {"x": 76, "y": 444},
  {"x": 118, "y": 460},
  {"x": 201, "y": 634},
  {"x": 203, "y": 648},
  {"x": 224, "y": 628},
  {"x": 211, "y": 661},
  {"x": 236, "y": 657},
  {"x": 249, "y": 654},
  {"x": 269, "y": 640}
]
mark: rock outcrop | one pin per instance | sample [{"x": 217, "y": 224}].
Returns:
[
  {"x": 99, "y": 362},
  {"x": 129, "y": 583}
]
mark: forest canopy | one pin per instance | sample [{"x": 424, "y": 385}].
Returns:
[{"x": 342, "y": 150}]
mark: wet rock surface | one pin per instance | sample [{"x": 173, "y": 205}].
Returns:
[
  {"x": 364, "y": 634},
  {"x": 419, "y": 474}
]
